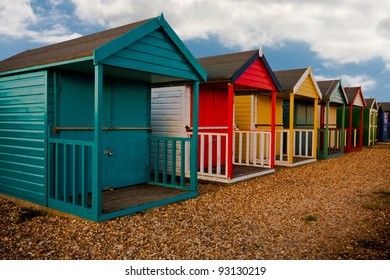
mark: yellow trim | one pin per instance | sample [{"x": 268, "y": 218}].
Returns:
[
  {"x": 315, "y": 128},
  {"x": 291, "y": 129}
]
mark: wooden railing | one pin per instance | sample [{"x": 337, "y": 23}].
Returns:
[
  {"x": 303, "y": 142},
  {"x": 282, "y": 148},
  {"x": 70, "y": 169},
  {"x": 355, "y": 132},
  {"x": 252, "y": 148},
  {"x": 333, "y": 141},
  {"x": 169, "y": 161}
]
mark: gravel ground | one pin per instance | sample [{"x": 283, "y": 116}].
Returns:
[{"x": 332, "y": 209}]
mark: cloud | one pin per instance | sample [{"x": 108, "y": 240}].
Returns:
[
  {"x": 44, "y": 23},
  {"x": 340, "y": 32},
  {"x": 367, "y": 82},
  {"x": 15, "y": 17}
]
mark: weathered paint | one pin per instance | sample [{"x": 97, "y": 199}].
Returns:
[{"x": 23, "y": 136}]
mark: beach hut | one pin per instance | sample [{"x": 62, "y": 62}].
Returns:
[
  {"x": 330, "y": 135},
  {"x": 75, "y": 122},
  {"x": 354, "y": 118},
  {"x": 230, "y": 149},
  {"x": 384, "y": 121},
  {"x": 370, "y": 122},
  {"x": 297, "y": 139}
]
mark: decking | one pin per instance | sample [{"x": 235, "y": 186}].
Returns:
[{"x": 128, "y": 197}]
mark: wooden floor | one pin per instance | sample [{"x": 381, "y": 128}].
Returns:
[
  {"x": 242, "y": 171},
  {"x": 296, "y": 161},
  {"x": 127, "y": 197}
]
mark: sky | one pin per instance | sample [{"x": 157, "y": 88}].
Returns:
[{"x": 347, "y": 39}]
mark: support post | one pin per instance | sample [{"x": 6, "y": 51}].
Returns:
[
  {"x": 97, "y": 148},
  {"x": 342, "y": 140},
  {"x": 326, "y": 134},
  {"x": 291, "y": 130},
  {"x": 230, "y": 120},
  {"x": 349, "y": 134},
  {"x": 194, "y": 140},
  {"x": 361, "y": 128},
  {"x": 315, "y": 126},
  {"x": 273, "y": 129}
]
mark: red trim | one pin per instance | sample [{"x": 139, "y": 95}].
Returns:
[
  {"x": 257, "y": 76},
  {"x": 361, "y": 128},
  {"x": 230, "y": 129},
  {"x": 349, "y": 139}
]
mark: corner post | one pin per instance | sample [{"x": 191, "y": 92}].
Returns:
[
  {"x": 96, "y": 155},
  {"x": 230, "y": 129},
  {"x": 273, "y": 129},
  {"x": 349, "y": 134},
  {"x": 194, "y": 140},
  {"x": 326, "y": 135},
  {"x": 291, "y": 131},
  {"x": 361, "y": 128},
  {"x": 342, "y": 140}
]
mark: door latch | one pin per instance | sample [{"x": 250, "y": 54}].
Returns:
[{"x": 109, "y": 152}]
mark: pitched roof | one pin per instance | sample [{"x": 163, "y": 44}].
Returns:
[
  {"x": 327, "y": 88},
  {"x": 370, "y": 103},
  {"x": 67, "y": 50},
  {"x": 99, "y": 47},
  {"x": 223, "y": 67},
  {"x": 288, "y": 79},
  {"x": 352, "y": 92},
  {"x": 384, "y": 106}
]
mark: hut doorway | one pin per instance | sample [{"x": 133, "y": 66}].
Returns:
[{"x": 126, "y": 132}]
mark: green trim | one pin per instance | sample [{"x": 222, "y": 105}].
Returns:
[
  {"x": 96, "y": 154},
  {"x": 110, "y": 48},
  {"x": 123, "y": 41},
  {"x": 194, "y": 139},
  {"x": 45, "y": 66},
  {"x": 180, "y": 45},
  {"x": 342, "y": 129}
]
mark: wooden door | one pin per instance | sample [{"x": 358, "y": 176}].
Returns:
[{"x": 126, "y": 135}]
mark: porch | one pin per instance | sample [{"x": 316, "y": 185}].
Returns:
[
  {"x": 71, "y": 181},
  {"x": 302, "y": 145},
  {"x": 353, "y": 139},
  {"x": 250, "y": 156},
  {"x": 331, "y": 142}
]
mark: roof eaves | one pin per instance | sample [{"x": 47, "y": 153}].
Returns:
[
  {"x": 45, "y": 66},
  {"x": 274, "y": 79}
]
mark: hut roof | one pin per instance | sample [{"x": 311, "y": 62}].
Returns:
[
  {"x": 384, "y": 106},
  {"x": 229, "y": 67},
  {"x": 352, "y": 93},
  {"x": 371, "y": 103},
  {"x": 101, "y": 45},
  {"x": 67, "y": 50},
  {"x": 291, "y": 80},
  {"x": 288, "y": 79}
]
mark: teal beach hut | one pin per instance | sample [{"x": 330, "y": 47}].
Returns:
[
  {"x": 75, "y": 131},
  {"x": 331, "y": 135}
]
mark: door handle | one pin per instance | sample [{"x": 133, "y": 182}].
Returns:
[{"x": 108, "y": 152}]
